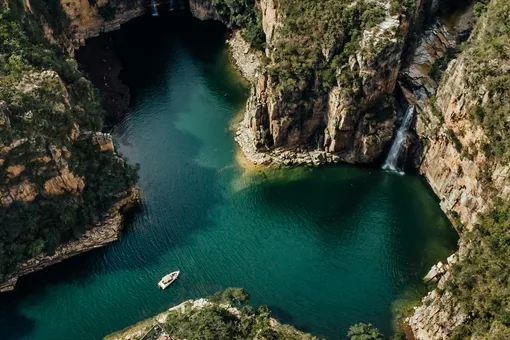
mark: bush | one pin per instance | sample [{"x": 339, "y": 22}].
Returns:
[
  {"x": 480, "y": 281},
  {"x": 486, "y": 56},
  {"x": 214, "y": 321},
  {"x": 246, "y": 15},
  {"x": 60, "y": 110},
  {"x": 362, "y": 331}
]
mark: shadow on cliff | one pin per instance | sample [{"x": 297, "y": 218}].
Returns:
[{"x": 177, "y": 193}]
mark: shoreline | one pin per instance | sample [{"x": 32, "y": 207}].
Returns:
[{"x": 107, "y": 231}]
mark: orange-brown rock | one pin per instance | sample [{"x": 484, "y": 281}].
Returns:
[
  {"x": 65, "y": 182},
  {"x": 15, "y": 170},
  {"x": 24, "y": 191}
]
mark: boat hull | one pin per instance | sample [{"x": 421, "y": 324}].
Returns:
[{"x": 167, "y": 280}]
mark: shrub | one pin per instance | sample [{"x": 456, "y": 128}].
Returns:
[
  {"x": 362, "y": 331},
  {"x": 480, "y": 281},
  {"x": 57, "y": 106}
]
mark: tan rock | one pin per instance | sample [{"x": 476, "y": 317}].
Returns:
[
  {"x": 105, "y": 141},
  {"x": 66, "y": 181},
  {"x": 25, "y": 191},
  {"x": 246, "y": 59},
  {"x": 15, "y": 170}
]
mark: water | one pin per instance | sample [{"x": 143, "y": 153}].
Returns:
[
  {"x": 324, "y": 248},
  {"x": 154, "y": 8},
  {"x": 391, "y": 162}
]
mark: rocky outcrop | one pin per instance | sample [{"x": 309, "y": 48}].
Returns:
[
  {"x": 452, "y": 162},
  {"x": 270, "y": 19},
  {"x": 204, "y": 10},
  {"x": 439, "y": 312},
  {"x": 97, "y": 236},
  {"x": 51, "y": 166},
  {"x": 154, "y": 327},
  {"x": 438, "y": 43},
  {"x": 334, "y": 127},
  {"x": 465, "y": 178},
  {"x": 247, "y": 60},
  {"x": 438, "y": 315}
]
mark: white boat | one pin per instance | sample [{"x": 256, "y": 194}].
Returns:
[{"x": 168, "y": 279}]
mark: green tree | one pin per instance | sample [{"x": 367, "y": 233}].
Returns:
[{"x": 363, "y": 331}]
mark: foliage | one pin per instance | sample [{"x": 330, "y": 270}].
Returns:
[
  {"x": 107, "y": 11},
  {"x": 214, "y": 321},
  {"x": 233, "y": 296},
  {"x": 486, "y": 56},
  {"x": 309, "y": 29},
  {"x": 244, "y": 14},
  {"x": 440, "y": 64},
  {"x": 480, "y": 281},
  {"x": 362, "y": 331},
  {"x": 53, "y": 111},
  {"x": 453, "y": 137},
  {"x": 479, "y": 8}
]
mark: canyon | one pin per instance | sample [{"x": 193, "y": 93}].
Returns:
[{"x": 352, "y": 121}]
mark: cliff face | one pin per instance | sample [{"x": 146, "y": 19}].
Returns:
[
  {"x": 439, "y": 313},
  {"x": 88, "y": 19},
  {"x": 463, "y": 155},
  {"x": 462, "y": 176},
  {"x": 106, "y": 231},
  {"x": 59, "y": 179},
  {"x": 351, "y": 121},
  {"x": 454, "y": 168}
]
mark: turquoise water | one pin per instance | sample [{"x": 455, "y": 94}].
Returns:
[{"x": 324, "y": 248}]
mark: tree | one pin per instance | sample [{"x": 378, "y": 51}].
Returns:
[{"x": 363, "y": 331}]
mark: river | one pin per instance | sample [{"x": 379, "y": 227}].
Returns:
[{"x": 323, "y": 247}]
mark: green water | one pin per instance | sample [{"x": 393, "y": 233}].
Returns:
[{"x": 324, "y": 248}]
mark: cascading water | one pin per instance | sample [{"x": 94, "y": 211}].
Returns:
[
  {"x": 154, "y": 8},
  {"x": 391, "y": 162}
]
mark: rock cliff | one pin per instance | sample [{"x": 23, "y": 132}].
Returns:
[
  {"x": 62, "y": 186},
  {"x": 463, "y": 176},
  {"x": 175, "y": 322},
  {"x": 350, "y": 120},
  {"x": 463, "y": 155},
  {"x": 96, "y": 236}
]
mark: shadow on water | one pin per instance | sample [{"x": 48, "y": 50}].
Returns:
[
  {"x": 359, "y": 233},
  {"x": 153, "y": 61}
]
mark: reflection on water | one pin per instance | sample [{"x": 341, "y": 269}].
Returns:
[{"x": 325, "y": 248}]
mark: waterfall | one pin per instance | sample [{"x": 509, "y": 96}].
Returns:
[
  {"x": 154, "y": 8},
  {"x": 391, "y": 162}
]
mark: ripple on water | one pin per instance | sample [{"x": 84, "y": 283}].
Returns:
[{"x": 325, "y": 247}]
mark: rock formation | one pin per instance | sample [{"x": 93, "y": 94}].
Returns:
[
  {"x": 97, "y": 236},
  {"x": 156, "y": 327},
  {"x": 352, "y": 120},
  {"x": 465, "y": 178},
  {"x": 53, "y": 166}
]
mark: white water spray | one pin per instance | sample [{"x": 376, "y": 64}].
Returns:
[
  {"x": 154, "y": 8},
  {"x": 391, "y": 162}
]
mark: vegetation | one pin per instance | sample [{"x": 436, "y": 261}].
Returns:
[
  {"x": 480, "y": 281},
  {"x": 309, "y": 29},
  {"x": 440, "y": 64},
  {"x": 362, "y": 331},
  {"x": 244, "y": 14},
  {"x": 453, "y": 138},
  {"x": 214, "y": 321},
  {"x": 486, "y": 57},
  {"x": 49, "y": 113}
]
